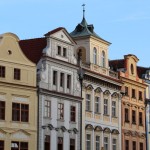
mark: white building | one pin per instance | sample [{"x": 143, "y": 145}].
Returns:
[{"x": 59, "y": 94}]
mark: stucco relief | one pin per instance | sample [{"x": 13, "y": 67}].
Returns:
[
  {"x": 20, "y": 135},
  {"x": 20, "y": 99},
  {"x": 2, "y": 97}
]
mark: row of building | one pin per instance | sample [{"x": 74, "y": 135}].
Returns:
[{"x": 61, "y": 92}]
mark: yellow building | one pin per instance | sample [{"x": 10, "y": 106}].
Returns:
[{"x": 18, "y": 98}]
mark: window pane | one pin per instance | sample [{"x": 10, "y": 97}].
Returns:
[
  {"x": 15, "y": 112},
  {"x": 88, "y": 142},
  {"x": 105, "y": 143},
  {"x": 97, "y": 142},
  {"x": 2, "y": 110},
  {"x": 23, "y": 146},
  {"x": 47, "y": 108},
  {"x": 2, "y": 71},
  {"x": 60, "y": 111},
  {"x": 1, "y": 145},
  {"x": 72, "y": 113},
  {"x": 24, "y": 112},
  {"x": 17, "y": 74},
  {"x": 88, "y": 102},
  {"x": 54, "y": 77}
]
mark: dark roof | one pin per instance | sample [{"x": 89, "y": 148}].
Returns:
[
  {"x": 83, "y": 29},
  {"x": 141, "y": 71},
  {"x": 33, "y": 48},
  {"x": 117, "y": 64}
]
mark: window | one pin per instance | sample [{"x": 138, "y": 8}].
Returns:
[
  {"x": 88, "y": 102},
  {"x": 140, "y": 118},
  {"x": 133, "y": 145},
  {"x": 68, "y": 81},
  {"x": 17, "y": 74},
  {"x": 60, "y": 143},
  {"x": 133, "y": 117},
  {"x": 47, "y": 142},
  {"x": 103, "y": 59},
  {"x": 47, "y": 109},
  {"x": 97, "y": 142},
  {"x": 19, "y": 145},
  {"x": 140, "y": 95},
  {"x": 1, "y": 145},
  {"x": 58, "y": 50},
  {"x": 73, "y": 113},
  {"x": 97, "y": 104},
  {"x": 126, "y": 91},
  {"x": 20, "y": 112},
  {"x": 88, "y": 142},
  {"x": 61, "y": 79},
  {"x": 54, "y": 77},
  {"x": 132, "y": 69},
  {"x": 105, "y": 106},
  {"x": 141, "y": 146},
  {"x": 113, "y": 108},
  {"x": 114, "y": 144},
  {"x": 133, "y": 93},
  {"x": 60, "y": 111},
  {"x": 126, "y": 115},
  {"x": 72, "y": 144},
  {"x": 95, "y": 56},
  {"x": 64, "y": 52},
  {"x": 2, "y": 110},
  {"x": 105, "y": 143},
  {"x": 2, "y": 71},
  {"x": 126, "y": 144}
]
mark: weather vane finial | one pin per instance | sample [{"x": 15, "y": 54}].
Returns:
[{"x": 83, "y": 10}]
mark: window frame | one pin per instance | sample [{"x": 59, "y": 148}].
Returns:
[
  {"x": 97, "y": 104},
  {"x": 2, "y": 144},
  {"x": 97, "y": 142},
  {"x": 126, "y": 144},
  {"x": 55, "y": 77},
  {"x": 140, "y": 118},
  {"x": 88, "y": 102},
  {"x": 88, "y": 142},
  {"x": 60, "y": 111},
  {"x": 106, "y": 143},
  {"x": 105, "y": 107},
  {"x": 62, "y": 78},
  {"x": 103, "y": 59},
  {"x": 126, "y": 113},
  {"x": 47, "y": 108},
  {"x": 2, "y": 71},
  {"x": 2, "y": 110},
  {"x": 133, "y": 145},
  {"x": 113, "y": 109},
  {"x": 114, "y": 144},
  {"x": 133, "y": 116},
  {"x": 72, "y": 114}
]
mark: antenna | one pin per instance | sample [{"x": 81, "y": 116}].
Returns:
[{"x": 83, "y": 10}]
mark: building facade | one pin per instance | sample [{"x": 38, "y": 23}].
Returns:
[
  {"x": 58, "y": 90},
  {"x": 133, "y": 103},
  {"x": 101, "y": 107},
  {"x": 18, "y": 97}
]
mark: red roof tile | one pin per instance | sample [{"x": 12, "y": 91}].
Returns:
[
  {"x": 116, "y": 64},
  {"x": 33, "y": 48}
]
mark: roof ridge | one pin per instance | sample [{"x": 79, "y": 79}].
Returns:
[{"x": 32, "y": 39}]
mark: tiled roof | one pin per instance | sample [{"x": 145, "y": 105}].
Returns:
[
  {"x": 141, "y": 71},
  {"x": 116, "y": 64},
  {"x": 33, "y": 48}
]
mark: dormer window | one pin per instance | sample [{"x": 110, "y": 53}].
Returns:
[
  {"x": 95, "y": 56},
  {"x": 103, "y": 59},
  {"x": 132, "y": 69}
]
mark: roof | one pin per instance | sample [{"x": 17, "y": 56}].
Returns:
[
  {"x": 116, "y": 64},
  {"x": 83, "y": 29},
  {"x": 33, "y": 48},
  {"x": 141, "y": 71},
  {"x": 54, "y": 31}
]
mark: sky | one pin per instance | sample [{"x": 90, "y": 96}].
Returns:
[{"x": 124, "y": 23}]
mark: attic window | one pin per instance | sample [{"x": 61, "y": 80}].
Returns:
[
  {"x": 9, "y": 52},
  {"x": 132, "y": 69}
]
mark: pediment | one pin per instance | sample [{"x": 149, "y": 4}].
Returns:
[
  {"x": 11, "y": 51},
  {"x": 20, "y": 134}
]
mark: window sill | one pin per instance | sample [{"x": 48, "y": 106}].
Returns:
[
  {"x": 19, "y": 122},
  {"x": 61, "y": 120},
  {"x": 88, "y": 110},
  {"x": 72, "y": 122},
  {"x": 97, "y": 113},
  {"x": 47, "y": 118},
  {"x": 106, "y": 115},
  {"x": 114, "y": 116},
  {"x": 127, "y": 121}
]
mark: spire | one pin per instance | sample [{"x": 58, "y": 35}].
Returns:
[{"x": 83, "y": 10}]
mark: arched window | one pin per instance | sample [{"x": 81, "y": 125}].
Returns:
[
  {"x": 95, "y": 56},
  {"x": 103, "y": 59}
]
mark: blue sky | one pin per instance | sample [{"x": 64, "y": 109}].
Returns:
[{"x": 124, "y": 23}]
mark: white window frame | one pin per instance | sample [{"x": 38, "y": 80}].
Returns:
[
  {"x": 88, "y": 141},
  {"x": 94, "y": 56},
  {"x": 97, "y": 143},
  {"x": 103, "y": 59},
  {"x": 114, "y": 108},
  {"x": 106, "y": 143},
  {"x": 105, "y": 107},
  {"x": 60, "y": 111},
  {"x": 97, "y": 104},
  {"x": 88, "y": 102},
  {"x": 47, "y": 108},
  {"x": 114, "y": 145}
]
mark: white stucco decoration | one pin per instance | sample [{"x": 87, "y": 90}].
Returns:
[{"x": 20, "y": 135}]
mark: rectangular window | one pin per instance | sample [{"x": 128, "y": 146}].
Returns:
[
  {"x": 126, "y": 144},
  {"x": 97, "y": 104},
  {"x": 105, "y": 143},
  {"x": 133, "y": 145},
  {"x": 114, "y": 144},
  {"x": 2, "y": 110},
  {"x": 20, "y": 112},
  {"x": 140, "y": 118},
  {"x": 60, "y": 143},
  {"x": 61, "y": 79},
  {"x": 68, "y": 81},
  {"x": 88, "y": 142},
  {"x": 60, "y": 111},
  {"x": 72, "y": 144},
  {"x": 133, "y": 117},
  {"x": 1, "y": 145},
  {"x": 126, "y": 115},
  {"x": 133, "y": 93},
  {"x": 141, "y": 146},
  {"x": 113, "y": 108},
  {"x": 47, "y": 109},
  {"x": 73, "y": 113},
  {"x": 64, "y": 52},
  {"x": 140, "y": 95},
  {"x": 105, "y": 106},
  {"x": 88, "y": 102},
  {"x": 58, "y": 50},
  {"x": 47, "y": 142},
  {"x": 2, "y": 71},
  {"x": 17, "y": 74},
  {"x": 54, "y": 77},
  {"x": 19, "y": 145},
  {"x": 126, "y": 91},
  {"x": 97, "y": 142}
]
